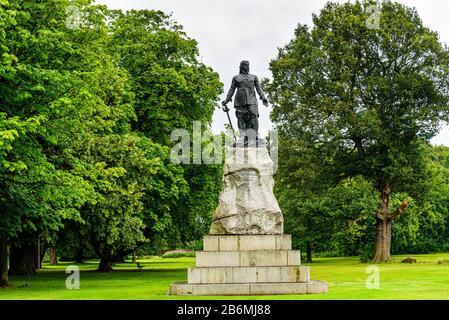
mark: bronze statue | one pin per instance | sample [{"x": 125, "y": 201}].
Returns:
[{"x": 246, "y": 106}]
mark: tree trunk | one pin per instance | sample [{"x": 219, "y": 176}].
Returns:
[
  {"x": 382, "y": 251},
  {"x": 4, "y": 254},
  {"x": 385, "y": 218},
  {"x": 383, "y": 241},
  {"x": 53, "y": 256},
  {"x": 105, "y": 265},
  {"x": 37, "y": 257},
  {"x": 79, "y": 255},
  {"x": 43, "y": 249},
  {"x": 22, "y": 261},
  {"x": 309, "y": 252}
]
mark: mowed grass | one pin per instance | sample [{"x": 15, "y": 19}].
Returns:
[{"x": 346, "y": 277}]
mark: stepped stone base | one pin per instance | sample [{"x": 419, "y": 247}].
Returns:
[
  {"x": 248, "y": 265},
  {"x": 243, "y": 289}
]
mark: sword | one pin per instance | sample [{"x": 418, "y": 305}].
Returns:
[{"x": 226, "y": 109}]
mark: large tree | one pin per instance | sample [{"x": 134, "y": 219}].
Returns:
[
  {"x": 363, "y": 100},
  {"x": 12, "y": 131},
  {"x": 39, "y": 91}
]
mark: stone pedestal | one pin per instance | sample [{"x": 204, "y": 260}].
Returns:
[
  {"x": 248, "y": 265},
  {"x": 246, "y": 252}
]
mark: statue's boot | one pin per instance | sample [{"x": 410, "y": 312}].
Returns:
[
  {"x": 253, "y": 135},
  {"x": 241, "y": 139}
]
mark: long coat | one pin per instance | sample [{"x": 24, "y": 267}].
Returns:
[{"x": 245, "y": 85}]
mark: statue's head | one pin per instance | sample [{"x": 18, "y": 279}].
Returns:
[{"x": 244, "y": 67}]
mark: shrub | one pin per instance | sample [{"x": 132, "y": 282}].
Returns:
[
  {"x": 195, "y": 245},
  {"x": 327, "y": 254},
  {"x": 178, "y": 254}
]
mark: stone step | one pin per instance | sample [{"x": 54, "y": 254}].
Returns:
[
  {"x": 233, "y": 275},
  {"x": 262, "y": 258},
  {"x": 247, "y": 242},
  {"x": 184, "y": 289}
]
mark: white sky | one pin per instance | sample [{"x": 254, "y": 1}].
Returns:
[{"x": 229, "y": 31}]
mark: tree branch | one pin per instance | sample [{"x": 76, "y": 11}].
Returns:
[{"x": 400, "y": 211}]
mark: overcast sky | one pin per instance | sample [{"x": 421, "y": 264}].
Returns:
[{"x": 229, "y": 31}]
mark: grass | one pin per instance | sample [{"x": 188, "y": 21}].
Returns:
[{"x": 426, "y": 279}]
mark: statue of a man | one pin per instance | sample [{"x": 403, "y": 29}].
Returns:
[{"x": 246, "y": 106}]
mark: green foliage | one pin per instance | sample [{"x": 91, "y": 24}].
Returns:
[
  {"x": 363, "y": 99},
  {"x": 432, "y": 209},
  {"x": 339, "y": 220},
  {"x": 172, "y": 87},
  {"x": 41, "y": 87},
  {"x": 351, "y": 205},
  {"x": 195, "y": 245},
  {"x": 72, "y": 242}
]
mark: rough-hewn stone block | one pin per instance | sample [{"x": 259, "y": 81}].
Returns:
[{"x": 247, "y": 204}]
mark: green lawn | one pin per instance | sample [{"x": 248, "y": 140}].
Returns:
[{"x": 346, "y": 277}]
